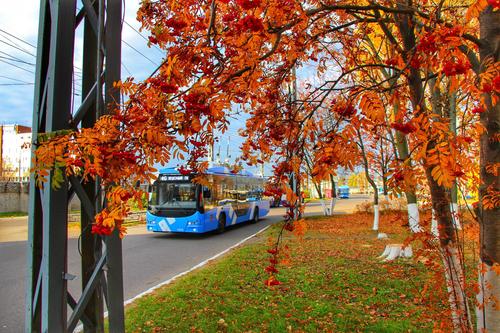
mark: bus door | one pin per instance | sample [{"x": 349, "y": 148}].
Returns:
[
  {"x": 228, "y": 195},
  {"x": 243, "y": 203},
  {"x": 243, "y": 198}
]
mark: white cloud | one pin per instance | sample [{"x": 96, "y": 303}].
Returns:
[{"x": 20, "y": 18}]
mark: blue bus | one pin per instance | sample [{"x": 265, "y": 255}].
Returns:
[
  {"x": 178, "y": 205},
  {"x": 343, "y": 192}
]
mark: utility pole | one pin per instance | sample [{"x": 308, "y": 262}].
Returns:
[
  {"x": 47, "y": 296},
  {"x": 218, "y": 160},
  {"x": 210, "y": 154},
  {"x": 228, "y": 156}
]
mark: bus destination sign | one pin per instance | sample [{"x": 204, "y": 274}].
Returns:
[{"x": 170, "y": 178}]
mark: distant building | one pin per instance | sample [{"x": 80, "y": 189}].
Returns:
[
  {"x": 15, "y": 152},
  {"x": 325, "y": 186}
]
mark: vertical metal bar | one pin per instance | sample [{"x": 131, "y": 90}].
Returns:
[
  {"x": 113, "y": 243},
  {"x": 47, "y": 253},
  {"x": 34, "y": 251},
  {"x": 90, "y": 251},
  {"x": 55, "y": 201},
  {"x": 116, "y": 315},
  {"x": 99, "y": 55}
]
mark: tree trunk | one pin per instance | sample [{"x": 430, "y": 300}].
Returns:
[
  {"x": 411, "y": 197},
  {"x": 333, "y": 199},
  {"x": 371, "y": 181},
  {"x": 295, "y": 207},
  {"x": 318, "y": 189},
  {"x": 452, "y": 103},
  {"x": 384, "y": 186},
  {"x": 383, "y": 168},
  {"x": 321, "y": 198},
  {"x": 488, "y": 316},
  {"x": 445, "y": 106},
  {"x": 450, "y": 254},
  {"x": 455, "y": 278},
  {"x": 440, "y": 200}
]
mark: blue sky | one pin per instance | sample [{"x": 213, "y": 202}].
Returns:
[
  {"x": 18, "y": 40},
  {"x": 19, "y": 25},
  {"x": 16, "y": 100}
]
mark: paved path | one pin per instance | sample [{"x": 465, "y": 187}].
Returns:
[
  {"x": 13, "y": 229},
  {"x": 148, "y": 258}
]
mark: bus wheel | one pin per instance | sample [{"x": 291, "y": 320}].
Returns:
[
  {"x": 222, "y": 223},
  {"x": 255, "y": 218}
]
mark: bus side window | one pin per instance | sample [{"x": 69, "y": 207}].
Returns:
[
  {"x": 207, "y": 194},
  {"x": 152, "y": 192}
]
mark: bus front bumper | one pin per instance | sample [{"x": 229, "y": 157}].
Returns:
[{"x": 188, "y": 224}]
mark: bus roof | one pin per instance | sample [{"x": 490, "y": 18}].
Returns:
[{"x": 216, "y": 170}]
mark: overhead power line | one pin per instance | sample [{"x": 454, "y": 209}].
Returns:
[
  {"x": 138, "y": 32},
  {"x": 24, "y": 69},
  {"x": 125, "y": 67},
  {"x": 13, "y": 41},
  {"x": 143, "y": 37},
  {"x": 77, "y": 70},
  {"x": 13, "y": 79},
  {"x": 14, "y": 58},
  {"x": 16, "y": 84},
  {"x": 19, "y": 39},
  {"x": 17, "y": 47},
  {"x": 136, "y": 50}
]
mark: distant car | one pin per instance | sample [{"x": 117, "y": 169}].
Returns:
[{"x": 275, "y": 202}]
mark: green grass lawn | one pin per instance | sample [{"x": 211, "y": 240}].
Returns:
[
  {"x": 12, "y": 214},
  {"x": 332, "y": 282}
]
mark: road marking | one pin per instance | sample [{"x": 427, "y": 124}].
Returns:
[{"x": 164, "y": 283}]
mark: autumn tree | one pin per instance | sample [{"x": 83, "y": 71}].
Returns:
[
  {"x": 225, "y": 52},
  {"x": 488, "y": 70}
]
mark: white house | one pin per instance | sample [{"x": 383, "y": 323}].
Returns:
[{"x": 15, "y": 152}]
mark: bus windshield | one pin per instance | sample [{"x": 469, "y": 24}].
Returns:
[{"x": 173, "y": 195}]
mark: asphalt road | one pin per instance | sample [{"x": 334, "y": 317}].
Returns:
[{"x": 149, "y": 259}]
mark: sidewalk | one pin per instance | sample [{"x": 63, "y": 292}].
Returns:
[{"x": 15, "y": 229}]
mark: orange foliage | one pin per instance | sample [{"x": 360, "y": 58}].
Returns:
[
  {"x": 247, "y": 52},
  {"x": 385, "y": 72}
]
